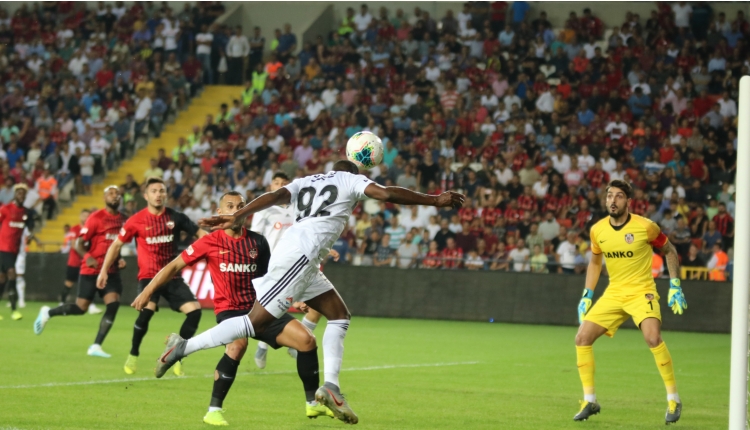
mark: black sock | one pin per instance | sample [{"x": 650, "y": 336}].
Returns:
[
  {"x": 226, "y": 370},
  {"x": 66, "y": 309},
  {"x": 307, "y": 368},
  {"x": 64, "y": 293},
  {"x": 190, "y": 325},
  {"x": 140, "y": 328},
  {"x": 107, "y": 320},
  {"x": 12, "y": 294}
]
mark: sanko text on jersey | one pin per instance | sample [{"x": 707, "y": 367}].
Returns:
[{"x": 619, "y": 254}]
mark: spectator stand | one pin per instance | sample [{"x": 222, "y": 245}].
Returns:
[
  {"x": 530, "y": 123},
  {"x": 94, "y": 86}
]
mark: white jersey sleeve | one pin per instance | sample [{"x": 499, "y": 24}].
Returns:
[{"x": 272, "y": 223}]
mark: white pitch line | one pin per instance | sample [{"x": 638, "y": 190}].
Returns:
[{"x": 278, "y": 372}]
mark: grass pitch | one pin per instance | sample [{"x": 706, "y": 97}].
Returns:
[{"x": 398, "y": 374}]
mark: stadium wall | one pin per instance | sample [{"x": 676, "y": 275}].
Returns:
[{"x": 446, "y": 295}]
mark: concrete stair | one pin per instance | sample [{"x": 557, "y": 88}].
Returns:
[{"x": 207, "y": 103}]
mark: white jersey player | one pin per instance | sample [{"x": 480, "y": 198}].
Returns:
[
  {"x": 322, "y": 207},
  {"x": 273, "y": 222},
  {"x": 21, "y": 268}
]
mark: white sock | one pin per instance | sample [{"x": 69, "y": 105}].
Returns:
[
  {"x": 591, "y": 398},
  {"x": 262, "y": 345},
  {"x": 213, "y": 409},
  {"x": 675, "y": 397},
  {"x": 313, "y": 403},
  {"x": 333, "y": 349},
  {"x": 223, "y": 334},
  {"x": 309, "y": 324},
  {"x": 21, "y": 288}
]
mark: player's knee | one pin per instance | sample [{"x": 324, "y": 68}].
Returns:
[
  {"x": 584, "y": 339},
  {"x": 236, "y": 349},
  {"x": 307, "y": 342},
  {"x": 653, "y": 340},
  {"x": 11, "y": 274},
  {"x": 341, "y": 314}
]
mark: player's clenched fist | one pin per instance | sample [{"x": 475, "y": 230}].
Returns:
[{"x": 450, "y": 199}]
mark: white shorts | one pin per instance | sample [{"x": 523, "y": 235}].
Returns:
[
  {"x": 291, "y": 277},
  {"x": 21, "y": 264}
]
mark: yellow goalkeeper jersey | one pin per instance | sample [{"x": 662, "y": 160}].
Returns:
[{"x": 627, "y": 251}]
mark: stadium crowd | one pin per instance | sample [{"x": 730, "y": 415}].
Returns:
[
  {"x": 529, "y": 121},
  {"x": 80, "y": 86}
]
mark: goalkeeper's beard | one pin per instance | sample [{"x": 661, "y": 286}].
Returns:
[{"x": 618, "y": 214}]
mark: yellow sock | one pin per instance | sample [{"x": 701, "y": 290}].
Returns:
[
  {"x": 586, "y": 368},
  {"x": 664, "y": 364}
]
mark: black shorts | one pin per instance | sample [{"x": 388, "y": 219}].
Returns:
[
  {"x": 176, "y": 292},
  {"x": 7, "y": 261},
  {"x": 71, "y": 273},
  {"x": 272, "y": 331},
  {"x": 87, "y": 286}
]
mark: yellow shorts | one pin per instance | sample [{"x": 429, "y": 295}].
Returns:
[{"x": 611, "y": 312}]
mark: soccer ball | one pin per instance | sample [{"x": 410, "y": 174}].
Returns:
[{"x": 365, "y": 149}]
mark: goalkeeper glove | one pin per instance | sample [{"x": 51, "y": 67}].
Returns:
[
  {"x": 585, "y": 304},
  {"x": 676, "y": 298}
]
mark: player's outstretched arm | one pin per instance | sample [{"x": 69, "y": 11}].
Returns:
[
  {"x": 402, "y": 196},
  {"x": 113, "y": 254},
  {"x": 161, "y": 278},
  {"x": 592, "y": 277},
  {"x": 676, "y": 298},
  {"x": 281, "y": 196}
]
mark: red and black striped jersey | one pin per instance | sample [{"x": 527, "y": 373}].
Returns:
[
  {"x": 100, "y": 230},
  {"x": 156, "y": 238},
  {"x": 74, "y": 258},
  {"x": 724, "y": 223},
  {"x": 233, "y": 264},
  {"x": 13, "y": 219}
]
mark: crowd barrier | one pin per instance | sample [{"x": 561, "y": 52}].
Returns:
[{"x": 462, "y": 295}]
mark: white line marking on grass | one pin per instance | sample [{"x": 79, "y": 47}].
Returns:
[{"x": 278, "y": 372}]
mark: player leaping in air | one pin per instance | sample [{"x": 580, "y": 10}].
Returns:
[
  {"x": 272, "y": 223},
  {"x": 322, "y": 205},
  {"x": 156, "y": 230},
  {"x": 235, "y": 257},
  {"x": 100, "y": 231},
  {"x": 625, "y": 240}
]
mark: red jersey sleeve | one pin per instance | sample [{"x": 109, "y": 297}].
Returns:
[
  {"x": 89, "y": 229},
  {"x": 3, "y": 209},
  {"x": 198, "y": 250},
  {"x": 128, "y": 230}
]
